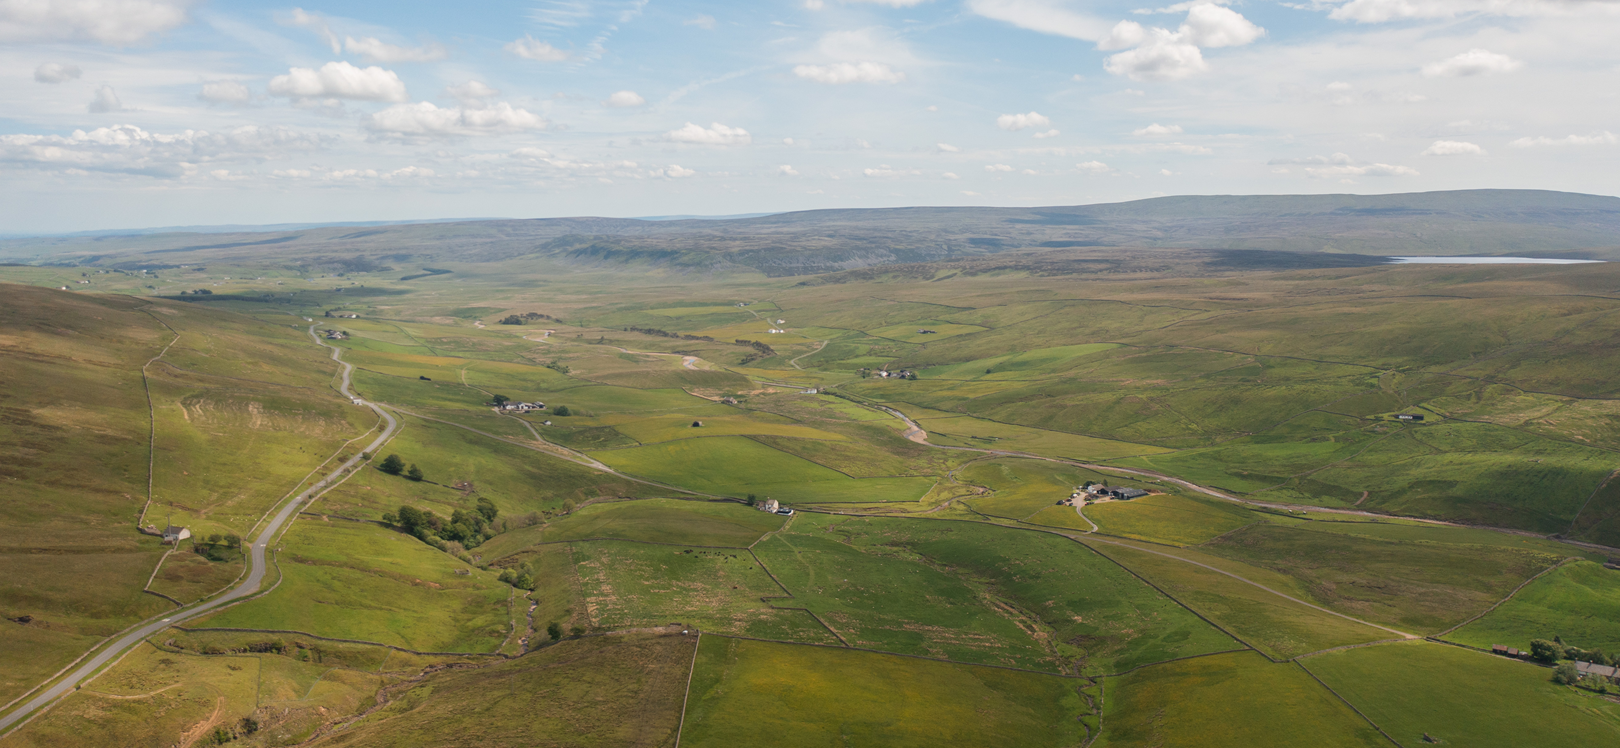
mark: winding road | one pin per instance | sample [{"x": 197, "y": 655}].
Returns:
[{"x": 249, "y": 585}]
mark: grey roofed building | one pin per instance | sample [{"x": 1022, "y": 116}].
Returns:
[
  {"x": 173, "y": 534},
  {"x": 1587, "y": 668}
]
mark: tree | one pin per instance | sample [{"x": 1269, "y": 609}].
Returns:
[
  {"x": 415, "y": 473},
  {"x": 487, "y": 508},
  {"x": 1545, "y": 651},
  {"x": 568, "y": 506},
  {"x": 500, "y": 400},
  {"x": 561, "y": 410},
  {"x": 554, "y": 630},
  {"x": 752, "y": 500},
  {"x": 392, "y": 465},
  {"x": 1566, "y": 674}
]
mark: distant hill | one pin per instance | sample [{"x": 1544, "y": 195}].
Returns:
[{"x": 1477, "y": 222}]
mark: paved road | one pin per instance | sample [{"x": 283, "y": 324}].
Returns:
[{"x": 249, "y": 586}]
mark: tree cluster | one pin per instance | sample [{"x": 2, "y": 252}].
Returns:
[
  {"x": 198, "y": 292},
  {"x": 526, "y": 317},
  {"x": 667, "y": 334},
  {"x": 470, "y": 529},
  {"x": 393, "y": 465},
  {"x": 216, "y": 547},
  {"x": 1550, "y": 652}
]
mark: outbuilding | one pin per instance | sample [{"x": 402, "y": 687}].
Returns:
[{"x": 173, "y": 534}]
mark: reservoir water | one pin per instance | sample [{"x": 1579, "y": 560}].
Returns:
[{"x": 1487, "y": 261}]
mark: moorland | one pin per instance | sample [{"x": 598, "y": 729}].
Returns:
[{"x": 1361, "y": 477}]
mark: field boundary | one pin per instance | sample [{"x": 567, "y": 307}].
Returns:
[
  {"x": 151, "y": 419},
  {"x": 1347, "y": 703},
  {"x": 681, "y": 726},
  {"x": 290, "y": 632},
  {"x": 1499, "y": 603}
]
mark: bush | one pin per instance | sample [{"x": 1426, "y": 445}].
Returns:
[
  {"x": 1542, "y": 650},
  {"x": 1566, "y": 674},
  {"x": 392, "y": 465},
  {"x": 554, "y": 630},
  {"x": 561, "y": 410},
  {"x": 415, "y": 473}
]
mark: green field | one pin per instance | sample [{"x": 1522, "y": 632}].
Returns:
[
  {"x": 760, "y": 693},
  {"x": 602, "y": 691},
  {"x": 1228, "y": 700},
  {"x": 1421, "y": 587},
  {"x": 735, "y": 466},
  {"x": 1577, "y": 603},
  {"x": 1170, "y": 519},
  {"x": 699, "y": 523},
  {"x": 356, "y": 581},
  {"x": 627, "y": 585},
  {"x": 1276, "y": 626},
  {"x": 978, "y": 593},
  {"x": 1485, "y": 701}
]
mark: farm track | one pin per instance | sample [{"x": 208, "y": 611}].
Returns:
[{"x": 250, "y": 586}]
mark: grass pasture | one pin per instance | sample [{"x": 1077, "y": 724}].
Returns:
[
  {"x": 358, "y": 581},
  {"x": 1578, "y": 603},
  {"x": 1418, "y": 587},
  {"x": 1485, "y": 701},
  {"x": 631, "y": 585},
  {"x": 1276, "y": 626},
  {"x": 188, "y": 577},
  {"x": 1235, "y": 700},
  {"x": 957, "y": 430},
  {"x": 666, "y": 521},
  {"x": 978, "y": 593},
  {"x": 735, "y": 465},
  {"x": 1170, "y": 518},
  {"x": 747, "y": 693},
  {"x": 599, "y": 692}
]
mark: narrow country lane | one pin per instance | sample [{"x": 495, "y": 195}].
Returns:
[{"x": 249, "y": 585}]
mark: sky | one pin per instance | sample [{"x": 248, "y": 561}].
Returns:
[{"x": 137, "y": 113}]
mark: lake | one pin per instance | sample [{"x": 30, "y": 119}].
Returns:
[{"x": 1487, "y": 261}]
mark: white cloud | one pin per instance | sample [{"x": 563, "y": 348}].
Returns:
[
  {"x": 1045, "y": 16},
  {"x": 1597, "y": 138},
  {"x": 114, "y": 22},
  {"x": 225, "y": 92},
  {"x": 317, "y": 23},
  {"x": 1379, "y": 11},
  {"x": 339, "y": 80},
  {"x": 1210, "y": 25},
  {"x": 1047, "y": 134},
  {"x": 1161, "y": 54},
  {"x": 998, "y": 167},
  {"x": 424, "y": 120},
  {"x": 131, "y": 150},
  {"x": 106, "y": 100},
  {"x": 675, "y": 171},
  {"x": 885, "y": 171},
  {"x": 949, "y": 175},
  {"x": 1166, "y": 173},
  {"x": 890, "y": 3},
  {"x": 1094, "y": 167},
  {"x": 1017, "y": 122},
  {"x": 624, "y": 100},
  {"x": 849, "y": 72},
  {"x": 55, "y": 72},
  {"x": 410, "y": 172},
  {"x": 1162, "y": 57},
  {"x": 947, "y": 148},
  {"x": 970, "y": 193},
  {"x": 376, "y": 50},
  {"x": 815, "y": 4},
  {"x": 1341, "y": 165},
  {"x": 702, "y": 21},
  {"x": 1157, "y": 130},
  {"x": 472, "y": 93},
  {"x": 1472, "y": 62},
  {"x": 715, "y": 134},
  {"x": 787, "y": 171},
  {"x": 530, "y": 48},
  {"x": 1453, "y": 148}
]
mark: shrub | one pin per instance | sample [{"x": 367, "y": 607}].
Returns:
[
  {"x": 1566, "y": 674},
  {"x": 561, "y": 410},
  {"x": 415, "y": 473},
  {"x": 554, "y": 630},
  {"x": 392, "y": 465}
]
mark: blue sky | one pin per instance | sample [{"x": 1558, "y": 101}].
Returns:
[{"x": 125, "y": 113}]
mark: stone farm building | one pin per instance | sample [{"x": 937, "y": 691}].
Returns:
[{"x": 173, "y": 534}]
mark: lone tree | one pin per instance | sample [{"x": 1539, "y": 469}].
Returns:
[
  {"x": 415, "y": 473},
  {"x": 392, "y": 465},
  {"x": 554, "y": 630},
  {"x": 500, "y": 400},
  {"x": 561, "y": 410}
]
